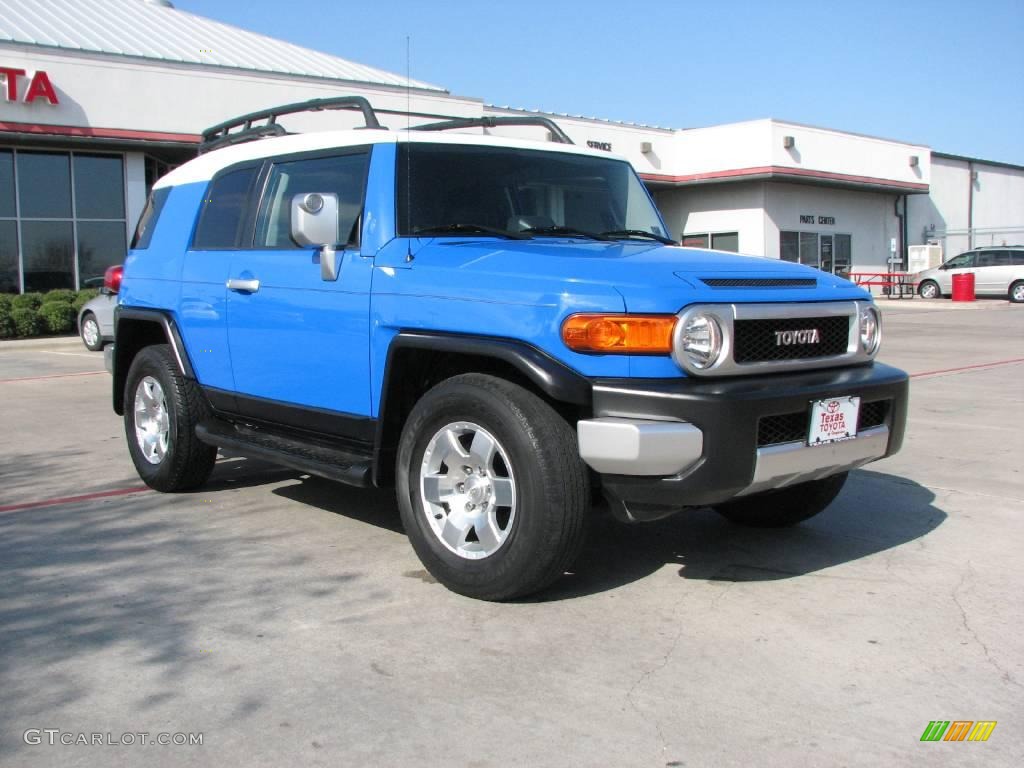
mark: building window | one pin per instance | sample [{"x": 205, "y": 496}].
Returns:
[
  {"x": 719, "y": 241},
  {"x": 828, "y": 252},
  {"x": 62, "y": 218}
]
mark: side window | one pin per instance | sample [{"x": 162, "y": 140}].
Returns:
[
  {"x": 223, "y": 210},
  {"x": 343, "y": 175},
  {"x": 149, "y": 217},
  {"x": 1017, "y": 258},
  {"x": 962, "y": 261}
]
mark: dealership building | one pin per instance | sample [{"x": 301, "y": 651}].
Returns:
[{"x": 101, "y": 97}]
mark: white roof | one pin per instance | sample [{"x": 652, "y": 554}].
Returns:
[
  {"x": 205, "y": 167},
  {"x": 151, "y": 29}
]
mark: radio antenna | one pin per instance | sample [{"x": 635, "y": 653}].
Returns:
[{"x": 408, "y": 158}]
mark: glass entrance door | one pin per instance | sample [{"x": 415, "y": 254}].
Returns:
[{"x": 826, "y": 253}]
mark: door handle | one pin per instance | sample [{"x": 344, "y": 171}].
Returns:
[{"x": 243, "y": 286}]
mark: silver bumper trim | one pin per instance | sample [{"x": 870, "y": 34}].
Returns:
[
  {"x": 108, "y": 358},
  {"x": 643, "y": 447},
  {"x": 781, "y": 465}
]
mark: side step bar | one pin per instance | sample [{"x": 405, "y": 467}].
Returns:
[{"x": 315, "y": 459}]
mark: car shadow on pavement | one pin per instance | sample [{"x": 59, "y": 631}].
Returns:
[
  {"x": 375, "y": 506},
  {"x": 875, "y": 512}
]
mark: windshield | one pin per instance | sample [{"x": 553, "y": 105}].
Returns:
[{"x": 446, "y": 189}]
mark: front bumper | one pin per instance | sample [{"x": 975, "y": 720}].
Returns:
[{"x": 661, "y": 445}]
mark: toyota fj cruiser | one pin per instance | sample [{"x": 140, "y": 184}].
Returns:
[{"x": 499, "y": 328}]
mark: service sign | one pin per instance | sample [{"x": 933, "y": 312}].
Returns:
[
  {"x": 833, "y": 420},
  {"x": 17, "y": 84}
]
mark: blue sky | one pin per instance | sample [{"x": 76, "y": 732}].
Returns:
[{"x": 946, "y": 74}]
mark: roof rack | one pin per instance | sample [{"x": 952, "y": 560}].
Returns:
[
  {"x": 220, "y": 135},
  {"x": 557, "y": 134}
]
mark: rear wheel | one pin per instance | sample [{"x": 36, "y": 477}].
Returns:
[
  {"x": 929, "y": 289},
  {"x": 90, "y": 332},
  {"x": 492, "y": 491},
  {"x": 161, "y": 411},
  {"x": 783, "y": 507},
  {"x": 1017, "y": 292}
]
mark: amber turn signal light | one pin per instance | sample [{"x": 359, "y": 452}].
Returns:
[{"x": 619, "y": 334}]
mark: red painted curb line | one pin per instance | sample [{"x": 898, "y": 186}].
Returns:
[
  {"x": 52, "y": 376},
  {"x": 969, "y": 367},
  {"x": 72, "y": 499}
]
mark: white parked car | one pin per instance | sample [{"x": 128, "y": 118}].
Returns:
[
  {"x": 96, "y": 317},
  {"x": 998, "y": 271}
]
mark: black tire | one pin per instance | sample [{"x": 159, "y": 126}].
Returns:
[
  {"x": 187, "y": 462},
  {"x": 784, "y": 507},
  {"x": 926, "y": 286},
  {"x": 552, "y": 492},
  {"x": 96, "y": 346},
  {"x": 1017, "y": 292}
]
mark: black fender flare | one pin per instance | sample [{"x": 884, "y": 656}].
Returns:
[
  {"x": 553, "y": 378},
  {"x": 128, "y": 340}
]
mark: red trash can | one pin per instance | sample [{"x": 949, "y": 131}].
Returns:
[{"x": 963, "y": 287}]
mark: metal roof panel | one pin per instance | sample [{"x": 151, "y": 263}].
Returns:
[{"x": 154, "y": 31}]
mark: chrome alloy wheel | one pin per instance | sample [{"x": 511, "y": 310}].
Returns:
[
  {"x": 1018, "y": 293},
  {"x": 467, "y": 490},
  {"x": 929, "y": 291},
  {"x": 152, "y": 424},
  {"x": 90, "y": 332}
]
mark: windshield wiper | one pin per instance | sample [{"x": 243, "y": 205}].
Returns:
[
  {"x": 456, "y": 229},
  {"x": 556, "y": 229},
  {"x": 627, "y": 233}
]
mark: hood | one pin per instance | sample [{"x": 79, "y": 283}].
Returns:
[{"x": 649, "y": 277}]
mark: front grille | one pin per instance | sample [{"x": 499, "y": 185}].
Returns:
[
  {"x": 759, "y": 282},
  {"x": 794, "y": 427},
  {"x": 755, "y": 340},
  {"x": 873, "y": 414},
  {"x": 787, "y": 428}
]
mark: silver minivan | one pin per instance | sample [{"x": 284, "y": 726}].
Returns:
[{"x": 998, "y": 271}]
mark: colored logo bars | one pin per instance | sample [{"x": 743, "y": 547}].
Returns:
[{"x": 958, "y": 730}]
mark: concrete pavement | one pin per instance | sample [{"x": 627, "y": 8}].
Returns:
[{"x": 288, "y": 621}]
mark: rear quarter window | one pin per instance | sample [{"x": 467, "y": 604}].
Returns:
[
  {"x": 223, "y": 210},
  {"x": 150, "y": 215}
]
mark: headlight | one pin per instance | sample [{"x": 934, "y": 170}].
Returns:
[
  {"x": 700, "y": 340},
  {"x": 870, "y": 330}
]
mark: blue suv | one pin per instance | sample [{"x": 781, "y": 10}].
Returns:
[{"x": 499, "y": 328}]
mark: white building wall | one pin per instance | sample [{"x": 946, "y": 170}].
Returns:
[
  {"x": 712, "y": 208},
  {"x": 134, "y": 188},
  {"x": 186, "y": 98},
  {"x": 943, "y": 216},
  {"x": 998, "y": 205},
  {"x": 848, "y": 154},
  {"x": 868, "y": 217}
]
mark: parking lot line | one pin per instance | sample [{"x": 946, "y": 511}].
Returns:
[
  {"x": 70, "y": 354},
  {"x": 51, "y": 376},
  {"x": 968, "y": 367},
  {"x": 72, "y": 499}
]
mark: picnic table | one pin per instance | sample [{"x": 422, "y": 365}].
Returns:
[{"x": 894, "y": 285}]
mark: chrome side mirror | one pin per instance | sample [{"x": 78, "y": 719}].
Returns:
[{"x": 314, "y": 222}]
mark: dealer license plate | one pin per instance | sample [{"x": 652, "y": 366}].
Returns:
[{"x": 833, "y": 420}]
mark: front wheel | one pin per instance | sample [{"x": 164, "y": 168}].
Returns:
[
  {"x": 492, "y": 491},
  {"x": 929, "y": 289},
  {"x": 161, "y": 411},
  {"x": 1017, "y": 292},
  {"x": 783, "y": 507}
]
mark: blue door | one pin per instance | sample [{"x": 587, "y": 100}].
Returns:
[
  {"x": 299, "y": 342},
  {"x": 202, "y": 305}
]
